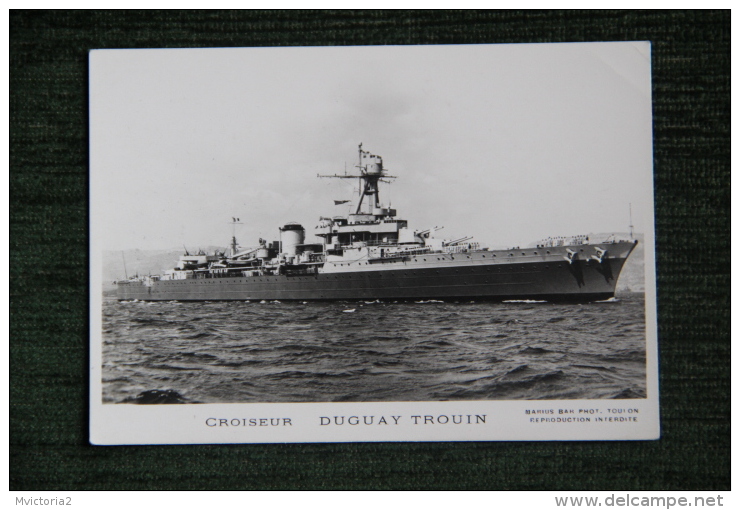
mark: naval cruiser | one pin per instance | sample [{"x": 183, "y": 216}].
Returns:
[{"x": 373, "y": 254}]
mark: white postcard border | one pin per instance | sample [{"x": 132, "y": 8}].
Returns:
[{"x": 628, "y": 419}]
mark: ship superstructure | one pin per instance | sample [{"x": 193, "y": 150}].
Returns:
[{"x": 373, "y": 254}]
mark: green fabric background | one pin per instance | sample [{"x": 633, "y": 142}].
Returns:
[{"x": 48, "y": 249}]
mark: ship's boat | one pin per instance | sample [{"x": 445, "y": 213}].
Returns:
[{"x": 373, "y": 254}]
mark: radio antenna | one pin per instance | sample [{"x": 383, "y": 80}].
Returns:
[{"x": 123, "y": 255}]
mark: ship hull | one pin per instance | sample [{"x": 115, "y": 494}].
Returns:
[{"x": 503, "y": 275}]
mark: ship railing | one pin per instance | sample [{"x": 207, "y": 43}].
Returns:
[
  {"x": 415, "y": 251},
  {"x": 219, "y": 273},
  {"x": 368, "y": 243},
  {"x": 402, "y": 254},
  {"x": 554, "y": 242},
  {"x": 301, "y": 272},
  {"x": 462, "y": 248}
]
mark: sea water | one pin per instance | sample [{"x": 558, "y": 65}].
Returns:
[{"x": 240, "y": 352}]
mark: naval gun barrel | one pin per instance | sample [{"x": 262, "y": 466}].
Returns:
[
  {"x": 424, "y": 232},
  {"x": 462, "y": 239}
]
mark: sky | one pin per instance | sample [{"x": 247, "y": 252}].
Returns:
[{"x": 506, "y": 143}]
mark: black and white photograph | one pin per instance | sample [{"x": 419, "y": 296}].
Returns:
[{"x": 397, "y": 243}]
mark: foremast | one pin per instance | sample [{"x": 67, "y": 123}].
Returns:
[
  {"x": 371, "y": 172},
  {"x": 372, "y": 224}
]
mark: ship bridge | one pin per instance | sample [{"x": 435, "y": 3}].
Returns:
[
  {"x": 374, "y": 225},
  {"x": 375, "y": 231}
]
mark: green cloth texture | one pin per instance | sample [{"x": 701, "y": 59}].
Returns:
[{"x": 49, "y": 294}]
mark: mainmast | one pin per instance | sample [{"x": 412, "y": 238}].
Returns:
[
  {"x": 125, "y": 272},
  {"x": 234, "y": 245}
]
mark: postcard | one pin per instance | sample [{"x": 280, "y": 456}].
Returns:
[{"x": 380, "y": 243}]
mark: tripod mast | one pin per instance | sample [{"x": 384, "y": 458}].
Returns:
[{"x": 371, "y": 173}]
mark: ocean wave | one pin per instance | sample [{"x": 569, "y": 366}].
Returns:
[
  {"x": 520, "y": 368},
  {"x": 593, "y": 367},
  {"x": 535, "y": 350},
  {"x": 227, "y": 352},
  {"x": 198, "y": 355},
  {"x": 157, "y": 397},
  {"x": 630, "y": 393},
  {"x": 166, "y": 366},
  {"x": 622, "y": 356}
]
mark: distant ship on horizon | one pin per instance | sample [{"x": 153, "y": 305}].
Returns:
[{"x": 373, "y": 254}]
